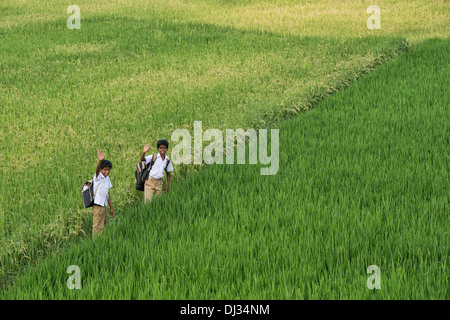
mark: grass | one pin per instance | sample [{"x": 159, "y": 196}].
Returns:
[
  {"x": 229, "y": 64},
  {"x": 363, "y": 180},
  {"x": 414, "y": 20},
  {"x": 136, "y": 71}
]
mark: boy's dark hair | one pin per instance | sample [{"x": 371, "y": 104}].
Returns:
[
  {"x": 105, "y": 163},
  {"x": 162, "y": 143}
]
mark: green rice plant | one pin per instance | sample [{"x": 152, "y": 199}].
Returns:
[
  {"x": 363, "y": 180},
  {"x": 137, "y": 70}
]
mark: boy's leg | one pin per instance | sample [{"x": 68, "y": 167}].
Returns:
[
  {"x": 151, "y": 187},
  {"x": 96, "y": 221},
  {"x": 99, "y": 220},
  {"x": 148, "y": 190},
  {"x": 105, "y": 217},
  {"x": 158, "y": 187}
]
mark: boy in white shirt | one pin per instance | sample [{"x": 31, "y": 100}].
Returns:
[
  {"x": 162, "y": 163},
  {"x": 102, "y": 184}
]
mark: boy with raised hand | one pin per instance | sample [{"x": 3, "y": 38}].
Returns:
[
  {"x": 102, "y": 198},
  {"x": 161, "y": 163}
]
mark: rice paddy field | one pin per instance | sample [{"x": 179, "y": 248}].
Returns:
[{"x": 363, "y": 178}]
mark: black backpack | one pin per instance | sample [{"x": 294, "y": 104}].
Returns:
[
  {"x": 142, "y": 171},
  {"x": 88, "y": 194}
]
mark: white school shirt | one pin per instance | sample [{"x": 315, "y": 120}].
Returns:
[
  {"x": 102, "y": 185},
  {"x": 157, "y": 171}
]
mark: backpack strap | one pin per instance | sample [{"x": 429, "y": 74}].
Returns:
[
  {"x": 153, "y": 160},
  {"x": 95, "y": 192},
  {"x": 168, "y": 161},
  {"x": 151, "y": 165}
]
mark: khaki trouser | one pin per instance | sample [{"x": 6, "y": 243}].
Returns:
[
  {"x": 152, "y": 186},
  {"x": 100, "y": 220}
]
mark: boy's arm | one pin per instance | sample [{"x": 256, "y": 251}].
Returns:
[
  {"x": 100, "y": 156},
  {"x": 168, "y": 180},
  {"x": 110, "y": 205},
  {"x": 146, "y": 148},
  {"x": 168, "y": 171}
]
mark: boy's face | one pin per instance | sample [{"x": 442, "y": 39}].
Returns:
[
  {"x": 105, "y": 171},
  {"x": 162, "y": 150}
]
